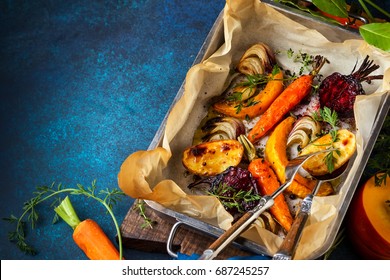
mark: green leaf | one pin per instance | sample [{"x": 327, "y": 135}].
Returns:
[
  {"x": 377, "y": 34},
  {"x": 310, "y": 11},
  {"x": 334, "y": 7}
]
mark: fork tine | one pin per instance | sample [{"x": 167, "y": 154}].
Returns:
[{"x": 297, "y": 162}]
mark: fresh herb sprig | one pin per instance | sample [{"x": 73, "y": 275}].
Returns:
[
  {"x": 140, "y": 207},
  {"x": 230, "y": 198},
  {"x": 327, "y": 115},
  {"x": 108, "y": 198},
  {"x": 249, "y": 88},
  {"x": 304, "y": 59}
]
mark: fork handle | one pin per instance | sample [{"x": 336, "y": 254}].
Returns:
[
  {"x": 236, "y": 229},
  {"x": 290, "y": 243}
]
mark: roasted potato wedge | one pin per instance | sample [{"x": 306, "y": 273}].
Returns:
[
  {"x": 346, "y": 146},
  {"x": 212, "y": 158}
]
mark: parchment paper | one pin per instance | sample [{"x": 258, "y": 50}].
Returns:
[{"x": 158, "y": 174}]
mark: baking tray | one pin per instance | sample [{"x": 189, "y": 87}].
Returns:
[
  {"x": 213, "y": 41},
  {"x": 333, "y": 32}
]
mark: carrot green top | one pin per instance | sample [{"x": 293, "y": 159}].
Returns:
[{"x": 66, "y": 211}]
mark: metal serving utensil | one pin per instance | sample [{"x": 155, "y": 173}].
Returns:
[
  {"x": 290, "y": 243},
  {"x": 249, "y": 217}
]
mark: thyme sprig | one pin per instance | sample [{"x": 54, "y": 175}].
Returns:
[
  {"x": 140, "y": 206},
  {"x": 230, "y": 198},
  {"x": 306, "y": 60},
  {"x": 329, "y": 116},
  {"x": 249, "y": 88},
  {"x": 108, "y": 198}
]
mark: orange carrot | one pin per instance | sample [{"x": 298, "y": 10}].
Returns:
[
  {"x": 268, "y": 183},
  {"x": 261, "y": 101},
  {"x": 286, "y": 101},
  {"x": 87, "y": 234},
  {"x": 90, "y": 237}
]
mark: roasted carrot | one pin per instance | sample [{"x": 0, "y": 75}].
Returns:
[
  {"x": 260, "y": 102},
  {"x": 268, "y": 182},
  {"x": 87, "y": 234},
  {"x": 291, "y": 96}
]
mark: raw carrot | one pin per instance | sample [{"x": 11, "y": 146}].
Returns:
[
  {"x": 261, "y": 101},
  {"x": 90, "y": 237},
  {"x": 268, "y": 182},
  {"x": 285, "y": 102},
  {"x": 87, "y": 234}
]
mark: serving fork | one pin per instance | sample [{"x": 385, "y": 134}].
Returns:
[
  {"x": 291, "y": 241},
  {"x": 249, "y": 217}
]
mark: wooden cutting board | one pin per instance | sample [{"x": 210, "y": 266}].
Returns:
[{"x": 154, "y": 239}]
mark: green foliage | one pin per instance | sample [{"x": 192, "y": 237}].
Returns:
[
  {"x": 377, "y": 34},
  {"x": 231, "y": 198},
  {"x": 53, "y": 193},
  {"x": 334, "y": 7},
  {"x": 139, "y": 205},
  {"x": 327, "y": 115}
]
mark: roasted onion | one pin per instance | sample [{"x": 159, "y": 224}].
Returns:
[
  {"x": 258, "y": 59},
  {"x": 220, "y": 128},
  {"x": 304, "y": 131}
]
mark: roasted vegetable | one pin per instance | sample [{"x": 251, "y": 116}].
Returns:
[
  {"x": 275, "y": 148},
  {"x": 275, "y": 153},
  {"x": 238, "y": 192},
  {"x": 235, "y": 188},
  {"x": 221, "y": 128},
  {"x": 304, "y": 130},
  {"x": 241, "y": 87},
  {"x": 249, "y": 148},
  {"x": 212, "y": 158},
  {"x": 255, "y": 106},
  {"x": 258, "y": 59},
  {"x": 338, "y": 92},
  {"x": 301, "y": 187},
  {"x": 268, "y": 183},
  {"x": 285, "y": 102},
  {"x": 344, "y": 145}
]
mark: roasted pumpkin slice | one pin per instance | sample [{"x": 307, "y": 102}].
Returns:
[
  {"x": 345, "y": 146},
  {"x": 275, "y": 148},
  {"x": 212, "y": 158}
]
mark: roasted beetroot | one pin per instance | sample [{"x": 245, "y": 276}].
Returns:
[
  {"x": 235, "y": 188},
  {"x": 338, "y": 92}
]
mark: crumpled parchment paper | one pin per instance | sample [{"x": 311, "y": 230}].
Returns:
[{"x": 158, "y": 174}]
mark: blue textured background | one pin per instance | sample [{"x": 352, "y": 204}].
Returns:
[{"x": 83, "y": 85}]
